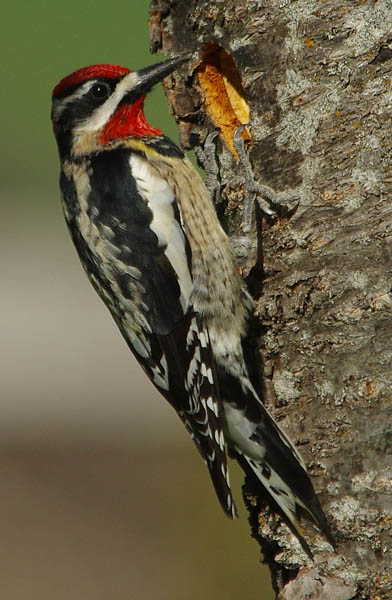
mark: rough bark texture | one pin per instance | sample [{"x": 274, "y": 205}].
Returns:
[{"x": 317, "y": 78}]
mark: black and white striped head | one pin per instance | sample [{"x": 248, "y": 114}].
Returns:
[{"x": 99, "y": 104}]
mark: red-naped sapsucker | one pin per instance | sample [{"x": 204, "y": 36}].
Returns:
[{"x": 149, "y": 239}]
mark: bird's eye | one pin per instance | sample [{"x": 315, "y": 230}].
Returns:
[{"x": 100, "y": 91}]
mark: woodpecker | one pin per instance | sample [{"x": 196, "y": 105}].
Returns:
[{"x": 151, "y": 244}]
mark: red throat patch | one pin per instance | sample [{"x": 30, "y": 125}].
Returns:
[{"x": 127, "y": 121}]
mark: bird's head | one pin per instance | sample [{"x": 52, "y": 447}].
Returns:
[{"x": 99, "y": 104}]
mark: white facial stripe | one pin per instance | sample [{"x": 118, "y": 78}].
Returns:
[
  {"x": 102, "y": 114},
  {"x": 60, "y": 105}
]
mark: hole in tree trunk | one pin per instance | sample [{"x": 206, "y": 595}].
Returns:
[{"x": 223, "y": 94}]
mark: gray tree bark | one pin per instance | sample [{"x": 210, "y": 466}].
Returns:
[{"x": 316, "y": 78}]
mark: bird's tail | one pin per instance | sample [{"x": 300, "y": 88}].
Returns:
[
  {"x": 288, "y": 502},
  {"x": 264, "y": 451}
]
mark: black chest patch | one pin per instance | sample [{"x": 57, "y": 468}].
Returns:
[{"x": 164, "y": 146}]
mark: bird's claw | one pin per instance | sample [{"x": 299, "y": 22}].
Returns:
[{"x": 270, "y": 203}]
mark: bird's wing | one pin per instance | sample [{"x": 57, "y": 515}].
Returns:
[{"x": 141, "y": 221}]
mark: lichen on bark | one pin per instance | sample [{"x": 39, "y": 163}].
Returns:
[{"x": 317, "y": 79}]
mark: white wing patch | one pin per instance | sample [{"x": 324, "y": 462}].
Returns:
[{"x": 160, "y": 199}]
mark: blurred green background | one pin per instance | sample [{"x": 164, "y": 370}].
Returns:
[{"x": 102, "y": 493}]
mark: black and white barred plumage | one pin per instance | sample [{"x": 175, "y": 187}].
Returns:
[{"x": 149, "y": 239}]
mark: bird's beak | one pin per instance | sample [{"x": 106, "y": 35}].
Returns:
[{"x": 149, "y": 76}]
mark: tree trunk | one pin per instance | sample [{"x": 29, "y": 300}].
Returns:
[{"x": 316, "y": 78}]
